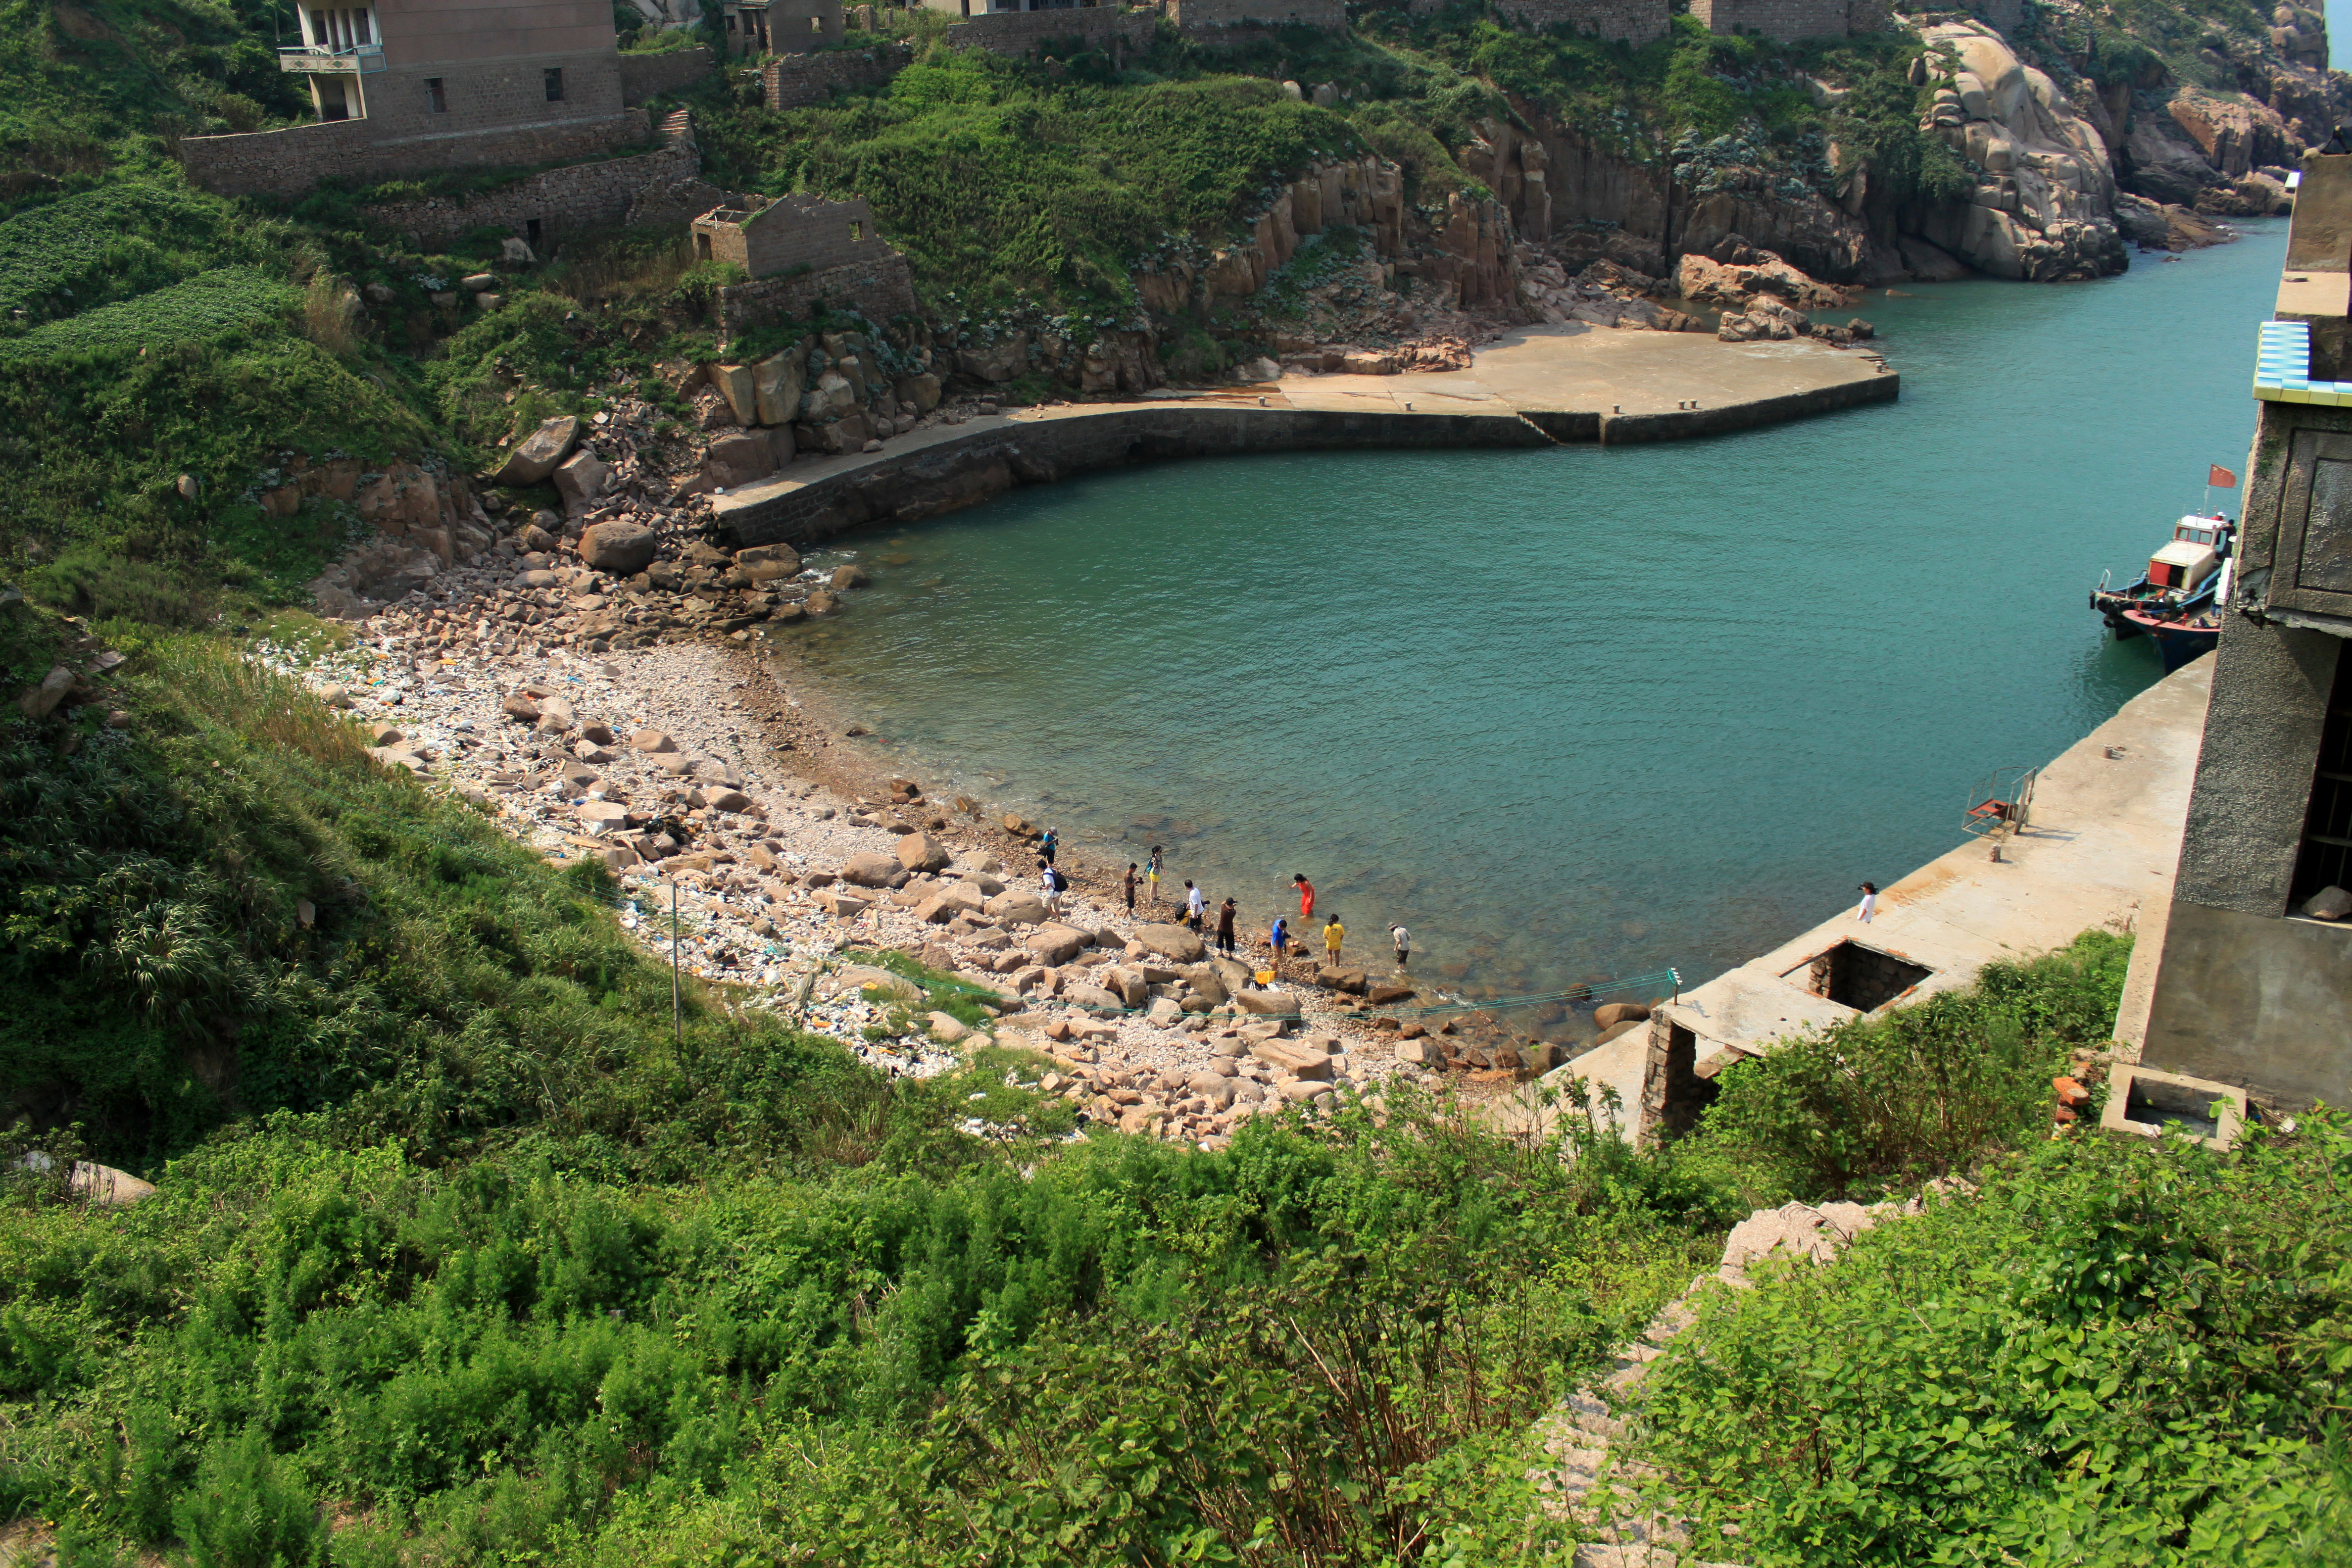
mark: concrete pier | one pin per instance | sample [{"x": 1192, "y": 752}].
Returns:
[
  {"x": 2099, "y": 848},
  {"x": 1539, "y": 386}
]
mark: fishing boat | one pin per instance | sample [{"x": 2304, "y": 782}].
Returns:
[{"x": 2176, "y": 603}]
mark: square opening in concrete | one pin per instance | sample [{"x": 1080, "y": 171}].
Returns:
[
  {"x": 1860, "y": 977},
  {"x": 2142, "y": 1102}
]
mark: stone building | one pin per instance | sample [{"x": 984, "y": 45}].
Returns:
[
  {"x": 783, "y": 26},
  {"x": 402, "y": 87},
  {"x": 798, "y": 251},
  {"x": 2252, "y": 993}
]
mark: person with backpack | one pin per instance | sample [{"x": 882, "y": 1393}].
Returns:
[{"x": 1054, "y": 883}]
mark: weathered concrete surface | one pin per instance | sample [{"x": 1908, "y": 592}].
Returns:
[
  {"x": 2261, "y": 1003},
  {"x": 1544, "y": 384},
  {"x": 2098, "y": 848}
]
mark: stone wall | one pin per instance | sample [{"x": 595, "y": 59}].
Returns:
[
  {"x": 795, "y": 233},
  {"x": 1634, "y": 22},
  {"x": 1020, "y": 33},
  {"x": 1209, "y": 16},
  {"x": 616, "y": 193},
  {"x": 650, "y": 75},
  {"x": 290, "y": 162},
  {"x": 796, "y": 79},
  {"x": 881, "y": 287},
  {"x": 1783, "y": 20}
]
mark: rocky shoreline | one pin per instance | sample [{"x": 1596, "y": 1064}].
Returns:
[{"x": 682, "y": 763}]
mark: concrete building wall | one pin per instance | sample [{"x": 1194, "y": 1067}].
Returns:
[
  {"x": 2253, "y": 779},
  {"x": 2265, "y": 1004}
]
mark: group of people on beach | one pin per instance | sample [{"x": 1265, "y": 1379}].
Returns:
[{"x": 1281, "y": 938}]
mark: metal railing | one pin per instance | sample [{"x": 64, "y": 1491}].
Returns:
[{"x": 360, "y": 59}]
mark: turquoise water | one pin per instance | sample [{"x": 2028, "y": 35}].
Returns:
[{"x": 1576, "y": 712}]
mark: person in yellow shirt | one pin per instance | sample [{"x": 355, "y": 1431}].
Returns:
[{"x": 1333, "y": 933}]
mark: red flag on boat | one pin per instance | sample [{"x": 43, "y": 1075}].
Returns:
[{"x": 2221, "y": 477}]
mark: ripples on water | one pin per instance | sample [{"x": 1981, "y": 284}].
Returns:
[{"x": 1572, "y": 714}]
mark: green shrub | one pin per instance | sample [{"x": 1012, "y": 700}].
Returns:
[
  {"x": 244, "y": 1511},
  {"x": 1921, "y": 1091},
  {"x": 2115, "y": 1353},
  {"x": 207, "y": 307}
]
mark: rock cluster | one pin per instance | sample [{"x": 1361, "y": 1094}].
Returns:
[{"x": 1603, "y": 294}]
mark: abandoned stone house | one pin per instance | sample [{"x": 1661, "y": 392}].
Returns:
[
  {"x": 402, "y": 87},
  {"x": 781, "y": 27},
  {"x": 798, "y": 251}
]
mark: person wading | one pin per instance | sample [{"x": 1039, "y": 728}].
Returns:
[
  {"x": 1225, "y": 927},
  {"x": 1306, "y": 896},
  {"x": 1404, "y": 939},
  {"x": 1333, "y": 933},
  {"x": 1130, "y": 887}
]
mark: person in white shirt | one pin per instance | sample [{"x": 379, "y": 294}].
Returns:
[
  {"x": 1195, "y": 904},
  {"x": 1869, "y": 902},
  {"x": 1404, "y": 939},
  {"x": 1053, "y": 887}
]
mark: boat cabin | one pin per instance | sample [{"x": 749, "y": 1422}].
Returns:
[{"x": 2193, "y": 555}]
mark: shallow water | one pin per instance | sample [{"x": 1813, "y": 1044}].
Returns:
[{"x": 1575, "y": 713}]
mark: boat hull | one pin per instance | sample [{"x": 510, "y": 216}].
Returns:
[{"x": 2176, "y": 644}]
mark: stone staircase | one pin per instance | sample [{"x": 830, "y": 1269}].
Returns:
[{"x": 1603, "y": 1491}]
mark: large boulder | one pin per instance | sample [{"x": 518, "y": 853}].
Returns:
[
  {"x": 765, "y": 563},
  {"x": 776, "y": 386},
  {"x": 1294, "y": 1059},
  {"x": 622, "y": 549},
  {"x": 581, "y": 481},
  {"x": 536, "y": 458},
  {"x": 921, "y": 852},
  {"x": 871, "y": 870},
  {"x": 2044, "y": 208},
  {"x": 736, "y": 385},
  {"x": 1176, "y": 944},
  {"x": 737, "y": 459},
  {"x": 1268, "y": 1003},
  {"x": 1017, "y": 906},
  {"x": 1057, "y": 944}
]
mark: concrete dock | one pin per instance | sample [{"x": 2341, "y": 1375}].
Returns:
[
  {"x": 2099, "y": 848},
  {"x": 1537, "y": 386}
]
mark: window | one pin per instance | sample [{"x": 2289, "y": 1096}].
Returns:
[
  {"x": 531, "y": 234},
  {"x": 435, "y": 101},
  {"x": 702, "y": 248},
  {"x": 321, "y": 36},
  {"x": 856, "y": 232},
  {"x": 2326, "y": 857},
  {"x": 555, "y": 85},
  {"x": 816, "y": 24},
  {"x": 359, "y": 28}
]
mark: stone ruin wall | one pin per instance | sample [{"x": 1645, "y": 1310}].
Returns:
[
  {"x": 881, "y": 288},
  {"x": 288, "y": 162},
  {"x": 659, "y": 187},
  {"x": 650, "y": 75},
  {"x": 791, "y": 81}
]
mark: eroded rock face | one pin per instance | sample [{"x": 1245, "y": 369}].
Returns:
[{"x": 2043, "y": 209}]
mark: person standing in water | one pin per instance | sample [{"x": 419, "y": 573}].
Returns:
[
  {"x": 1333, "y": 933},
  {"x": 1225, "y": 927},
  {"x": 1404, "y": 939},
  {"x": 1130, "y": 889},
  {"x": 1869, "y": 891},
  {"x": 1306, "y": 896}
]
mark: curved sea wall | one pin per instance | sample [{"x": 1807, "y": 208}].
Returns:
[{"x": 964, "y": 467}]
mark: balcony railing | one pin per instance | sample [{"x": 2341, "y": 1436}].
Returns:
[{"x": 358, "y": 61}]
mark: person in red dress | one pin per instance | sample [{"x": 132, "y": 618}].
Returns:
[{"x": 1306, "y": 895}]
